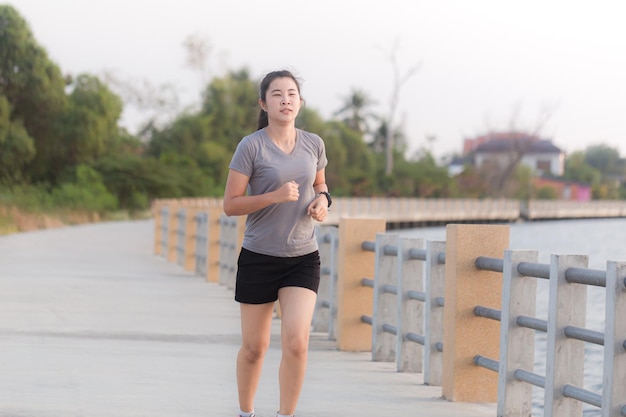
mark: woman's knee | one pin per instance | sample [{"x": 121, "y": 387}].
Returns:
[
  {"x": 296, "y": 345},
  {"x": 254, "y": 352}
]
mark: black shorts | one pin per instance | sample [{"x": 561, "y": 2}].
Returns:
[{"x": 259, "y": 277}]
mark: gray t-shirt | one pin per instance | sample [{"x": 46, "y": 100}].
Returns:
[{"x": 282, "y": 229}]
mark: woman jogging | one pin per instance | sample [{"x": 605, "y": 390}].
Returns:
[{"x": 277, "y": 178}]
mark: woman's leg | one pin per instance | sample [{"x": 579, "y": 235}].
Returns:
[
  {"x": 296, "y": 308},
  {"x": 256, "y": 322}
]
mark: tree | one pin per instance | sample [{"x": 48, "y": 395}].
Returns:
[
  {"x": 33, "y": 86},
  {"x": 230, "y": 103},
  {"x": 91, "y": 121},
  {"x": 352, "y": 165},
  {"x": 522, "y": 142},
  {"x": 605, "y": 159},
  {"x": 398, "y": 81},
  {"x": 355, "y": 111},
  {"x": 577, "y": 169},
  {"x": 17, "y": 148}
]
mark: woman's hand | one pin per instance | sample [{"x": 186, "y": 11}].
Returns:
[
  {"x": 318, "y": 209},
  {"x": 287, "y": 192}
]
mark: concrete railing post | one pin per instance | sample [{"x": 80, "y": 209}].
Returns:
[
  {"x": 564, "y": 356},
  {"x": 189, "y": 258},
  {"x": 324, "y": 315},
  {"x": 231, "y": 237},
  {"x": 410, "y": 313},
  {"x": 156, "y": 215},
  {"x": 353, "y": 299},
  {"x": 614, "y": 396},
  {"x": 181, "y": 230},
  {"x": 464, "y": 334},
  {"x": 384, "y": 309},
  {"x": 433, "y": 315},
  {"x": 172, "y": 231},
  {"x": 163, "y": 236},
  {"x": 213, "y": 243},
  {"x": 201, "y": 244},
  {"x": 517, "y": 343}
]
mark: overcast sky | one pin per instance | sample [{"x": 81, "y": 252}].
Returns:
[{"x": 483, "y": 64}]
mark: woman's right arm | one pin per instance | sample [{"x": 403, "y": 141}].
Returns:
[{"x": 237, "y": 203}]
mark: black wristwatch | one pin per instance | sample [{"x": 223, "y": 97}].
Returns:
[{"x": 327, "y": 194}]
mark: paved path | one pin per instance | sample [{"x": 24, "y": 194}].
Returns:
[{"x": 93, "y": 324}]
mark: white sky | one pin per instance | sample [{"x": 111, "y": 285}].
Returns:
[{"x": 480, "y": 59}]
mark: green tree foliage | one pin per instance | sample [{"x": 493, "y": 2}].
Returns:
[
  {"x": 136, "y": 180},
  {"x": 61, "y": 143},
  {"x": 599, "y": 166},
  {"x": 547, "y": 193},
  {"x": 33, "y": 86},
  {"x": 87, "y": 192},
  {"x": 230, "y": 103},
  {"x": 90, "y": 124},
  {"x": 421, "y": 177},
  {"x": 356, "y": 111},
  {"x": 606, "y": 160},
  {"x": 578, "y": 169},
  {"x": 351, "y": 162},
  {"x": 17, "y": 146}
]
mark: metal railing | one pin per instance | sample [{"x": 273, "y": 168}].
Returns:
[
  {"x": 568, "y": 278},
  {"x": 407, "y": 315},
  {"x": 202, "y": 243},
  {"x": 563, "y": 379}
]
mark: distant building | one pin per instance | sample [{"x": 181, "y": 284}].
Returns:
[
  {"x": 565, "y": 190},
  {"x": 458, "y": 164},
  {"x": 540, "y": 155}
]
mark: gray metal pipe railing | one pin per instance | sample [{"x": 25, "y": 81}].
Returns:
[
  {"x": 369, "y": 246},
  {"x": 532, "y": 323},
  {"x": 531, "y": 269},
  {"x": 583, "y": 395},
  {"x": 488, "y": 313},
  {"x": 417, "y": 254},
  {"x": 416, "y": 295},
  {"x": 586, "y": 276},
  {"x": 584, "y": 335},
  {"x": 572, "y": 275},
  {"x": 530, "y": 377},
  {"x": 487, "y": 363},
  {"x": 414, "y": 337}
]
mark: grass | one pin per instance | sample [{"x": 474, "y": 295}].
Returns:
[{"x": 15, "y": 220}]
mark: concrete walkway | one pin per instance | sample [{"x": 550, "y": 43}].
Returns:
[{"x": 93, "y": 324}]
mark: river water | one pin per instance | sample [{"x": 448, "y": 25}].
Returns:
[{"x": 601, "y": 240}]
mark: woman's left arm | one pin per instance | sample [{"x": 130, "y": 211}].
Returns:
[
  {"x": 318, "y": 209},
  {"x": 319, "y": 184}
]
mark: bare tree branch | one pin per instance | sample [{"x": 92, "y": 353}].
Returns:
[{"x": 398, "y": 80}]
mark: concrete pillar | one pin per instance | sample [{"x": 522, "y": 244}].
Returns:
[
  {"x": 323, "y": 318},
  {"x": 353, "y": 299},
  {"x": 464, "y": 334},
  {"x": 517, "y": 343},
  {"x": 385, "y": 311},
  {"x": 189, "y": 260},
  {"x": 410, "y": 276},
  {"x": 565, "y": 357},
  {"x": 614, "y": 397},
  {"x": 156, "y": 215},
  {"x": 213, "y": 243},
  {"x": 231, "y": 238},
  {"x": 172, "y": 230},
  {"x": 434, "y": 288}
]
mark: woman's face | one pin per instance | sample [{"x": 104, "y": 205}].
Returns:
[{"x": 282, "y": 100}]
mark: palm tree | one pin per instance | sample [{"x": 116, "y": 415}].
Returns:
[{"x": 355, "y": 111}]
